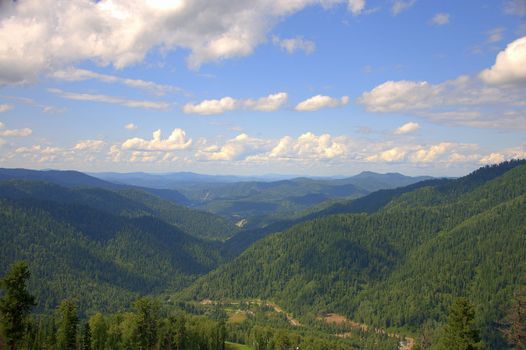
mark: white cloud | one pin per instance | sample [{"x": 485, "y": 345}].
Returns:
[
  {"x": 89, "y": 145},
  {"x": 440, "y": 19},
  {"x": 76, "y": 74},
  {"x": 208, "y": 107},
  {"x": 237, "y": 148},
  {"x": 110, "y": 99},
  {"x": 263, "y": 104},
  {"x": 356, "y": 6},
  {"x": 130, "y": 126},
  {"x": 401, "y": 5},
  {"x": 390, "y": 155},
  {"x": 176, "y": 141},
  {"x": 268, "y": 103},
  {"x": 319, "y": 101},
  {"x": 462, "y": 101},
  {"x": 45, "y": 35},
  {"x": 6, "y": 107},
  {"x": 407, "y": 128},
  {"x": 510, "y": 65},
  {"x": 33, "y": 103},
  {"x": 295, "y": 44},
  {"x": 506, "y": 154},
  {"x": 14, "y": 132},
  {"x": 308, "y": 146},
  {"x": 440, "y": 153}
]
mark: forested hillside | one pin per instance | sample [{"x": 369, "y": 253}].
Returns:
[
  {"x": 400, "y": 265},
  {"x": 103, "y": 247}
]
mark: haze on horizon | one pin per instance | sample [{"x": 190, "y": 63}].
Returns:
[{"x": 317, "y": 88}]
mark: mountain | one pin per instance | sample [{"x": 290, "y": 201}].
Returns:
[
  {"x": 399, "y": 263},
  {"x": 103, "y": 247},
  {"x": 261, "y": 203},
  {"x": 70, "y": 178},
  {"x": 172, "y": 180}
]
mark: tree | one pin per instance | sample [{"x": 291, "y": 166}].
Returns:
[
  {"x": 99, "y": 331},
  {"x": 515, "y": 322},
  {"x": 460, "y": 332},
  {"x": 15, "y": 303},
  {"x": 86, "y": 337},
  {"x": 67, "y": 329},
  {"x": 147, "y": 318}
]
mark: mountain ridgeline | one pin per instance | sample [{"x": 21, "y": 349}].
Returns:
[{"x": 398, "y": 263}]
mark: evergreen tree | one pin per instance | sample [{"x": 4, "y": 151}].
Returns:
[
  {"x": 67, "y": 329},
  {"x": 99, "y": 331},
  {"x": 460, "y": 332},
  {"x": 147, "y": 316},
  {"x": 86, "y": 337},
  {"x": 15, "y": 303},
  {"x": 515, "y": 322}
]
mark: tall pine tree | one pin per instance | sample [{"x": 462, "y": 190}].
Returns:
[
  {"x": 460, "y": 332},
  {"x": 15, "y": 303}
]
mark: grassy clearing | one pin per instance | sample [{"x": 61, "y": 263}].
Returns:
[{"x": 236, "y": 346}]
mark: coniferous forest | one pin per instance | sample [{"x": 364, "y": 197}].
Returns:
[{"x": 437, "y": 264}]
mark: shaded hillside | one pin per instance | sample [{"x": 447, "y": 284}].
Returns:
[
  {"x": 128, "y": 202},
  {"x": 76, "y": 179}
]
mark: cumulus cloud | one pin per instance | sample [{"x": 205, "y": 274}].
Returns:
[
  {"x": 356, "y": 6},
  {"x": 218, "y": 106},
  {"x": 110, "y": 99},
  {"x": 390, "y": 155},
  {"x": 44, "y": 35},
  {"x": 14, "y": 132},
  {"x": 89, "y": 145},
  {"x": 237, "y": 148},
  {"x": 208, "y": 107},
  {"x": 176, "y": 141},
  {"x": 309, "y": 146},
  {"x": 510, "y": 65},
  {"x": 319, "y": 101},
  {"x": 407, "y": 128},
  {"x": 130, "y": 126},
  {"x": 294, "y": 44},
  {"x": 462, "y": 101},
  {"x": 443, "y": 152},
  {"x": 440, "y": 19},
  {"x": 6, "y": 107},
  {"x": 76, "y": 74},
  {"x": 268, "y": 103},
  {"x": 506, "y": 154}
]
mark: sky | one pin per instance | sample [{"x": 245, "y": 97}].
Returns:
[{"x": 306, "y": 87}]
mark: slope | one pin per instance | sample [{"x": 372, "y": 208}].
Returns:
[{"x": 399, "y": 266}]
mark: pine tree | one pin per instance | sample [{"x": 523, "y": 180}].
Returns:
[
  {"x": 67, "y": 329},
  {"x": 86, "y": 337},
  {"x": 15, "y": 304},
  {"x": 147, "y": 316},
  {"x": 460, "y": 332},
  {"x": 99, "y": 331},
  {"x": 515, "y": 322}
]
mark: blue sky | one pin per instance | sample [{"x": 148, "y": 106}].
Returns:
[{"x": 306, "y": 87}]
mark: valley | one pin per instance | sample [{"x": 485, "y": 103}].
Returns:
[{"x": 374, "y": 269}]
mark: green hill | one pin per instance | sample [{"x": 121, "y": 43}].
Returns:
[
  {"x": 399, "y": 265},
  {"x": 100, "y": 246}
]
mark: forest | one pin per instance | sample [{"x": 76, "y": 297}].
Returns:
[{"x": 437, "y": 264}]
